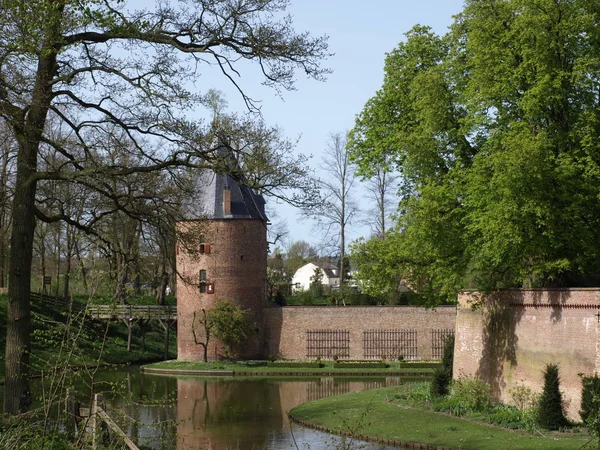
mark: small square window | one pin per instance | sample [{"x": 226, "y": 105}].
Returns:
[
  {"x": 203, "y": 275},
  {"x": 203, "y": 287}
]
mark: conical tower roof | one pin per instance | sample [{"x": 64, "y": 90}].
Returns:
[{"x": 210, "y": 191}]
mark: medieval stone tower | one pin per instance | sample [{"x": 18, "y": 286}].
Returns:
[{"x": 221, "y": 255}]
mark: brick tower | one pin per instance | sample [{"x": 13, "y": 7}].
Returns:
[{"x": 221, "y": 255}]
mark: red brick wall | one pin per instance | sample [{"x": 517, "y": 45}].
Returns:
[
  {"x": 286, "y": 327},
  {"x": 236, "y": 266},
  {"x": 513, "y": 335}
]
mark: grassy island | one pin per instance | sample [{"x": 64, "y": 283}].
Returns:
[{"x": 384, "y": 415}]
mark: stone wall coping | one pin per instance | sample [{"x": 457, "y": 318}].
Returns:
[
  {"x": 555, "y": 298},
  {"x": 571, "y": 289},
  {"x": 358, "y": 307}
]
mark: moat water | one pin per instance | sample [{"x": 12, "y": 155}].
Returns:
[
  {"x": 184, "y": 412},
  {"x": 168, "y": 412}
]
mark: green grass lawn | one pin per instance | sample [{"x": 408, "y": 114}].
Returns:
[
  {"x": 260, "y": 366},
  {"x": 371, "y": 413}
]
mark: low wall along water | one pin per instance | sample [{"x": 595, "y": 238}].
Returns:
[{"x": 357, "y": 332}]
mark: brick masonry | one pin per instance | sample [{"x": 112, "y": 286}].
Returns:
[
  {"x": 508, "y": 339},
  {"x": 286, "y": 327},
  {"x": 235, "y": 262}
]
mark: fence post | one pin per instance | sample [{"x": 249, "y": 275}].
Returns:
[
  {"x": 96, "y": 423},
  {"x": 72, "y": 413}
]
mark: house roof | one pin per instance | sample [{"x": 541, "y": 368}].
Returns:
[{"x": 328, "y": 268}]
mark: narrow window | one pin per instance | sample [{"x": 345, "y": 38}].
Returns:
[{"x": 203, "y": 281}]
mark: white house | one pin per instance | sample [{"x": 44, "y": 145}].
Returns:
[{"x": 301, "y": 279}]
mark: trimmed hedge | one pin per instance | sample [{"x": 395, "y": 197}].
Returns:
[
  {"x": 420, "y": 365},
  {"x": 361, "y": 365},
  {"x": 296, "y": 364},
  {"x": 254, "y": 363}
]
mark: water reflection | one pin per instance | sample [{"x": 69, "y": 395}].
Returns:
[
  {"x": 251, "y": 413},
  {"x": 192, "y": 413}
]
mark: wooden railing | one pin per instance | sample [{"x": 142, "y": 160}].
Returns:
[
  {"x": 110, "y": 311},
  {"x": 98, "y": 413},
  {"x": 132, "y": 312}
]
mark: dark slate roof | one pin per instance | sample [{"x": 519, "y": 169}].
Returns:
[{"x": 207, "y": 201}]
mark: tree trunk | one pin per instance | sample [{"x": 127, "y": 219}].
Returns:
[
  {"x": 17, "y": 396},
  {"x": 68, "y": 258},
  {"x": 28, "y": 130},
  {"x": 81, "y": 266},
  {"x": 164, "y": 282},
  {"x": 4, "y": 217},
  {"x": 58, "y": 238}
]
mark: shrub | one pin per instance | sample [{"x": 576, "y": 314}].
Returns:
[
  {"x": 523, "y": 397},
  {"x": 475, "y": 395},
  {"x": 451, "y": 405},
  {"x": 549, "y": 412},
  {"x": 296, "y": 364},
  {"x": 507, "y": 417},
  {"x": 360, "y": 365},
  {"x": 420, "y": 365},
  {"x": 440, "y": 384},
  {"x": 419, "y": 392},
  {"x": 590, "y": 404},
  {"x": 442, "y": 377}
]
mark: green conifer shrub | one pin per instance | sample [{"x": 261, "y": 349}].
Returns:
[
  {"x": 442, "y": 377},
  {"x": 550, "y": 412}
]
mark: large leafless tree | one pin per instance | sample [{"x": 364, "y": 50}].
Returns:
[
  {"x": 98, "y": 69},
  {"x": 337, "y": 209}
]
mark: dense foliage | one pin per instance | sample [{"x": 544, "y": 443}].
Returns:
[
  {"x": 590, "y": 404},
  {"x": 493, "y": 128}
]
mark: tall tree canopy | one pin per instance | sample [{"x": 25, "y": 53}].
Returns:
[
  {"x": 114, "y": 82},
  {"x": 494, "y": 129}
]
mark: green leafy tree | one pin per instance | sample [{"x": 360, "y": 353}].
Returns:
[
  {"x": 495, "y": 142},
  {"x": 225, "y": 321},
  {"x": 108, "y": 75},
  {"x": 230, "y": 324}
]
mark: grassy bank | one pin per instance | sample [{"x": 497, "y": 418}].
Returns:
[
  {"x": 58, "y": 340},
  {"x": 372, "y": 414},
  {"x": 261, "y": 367}
]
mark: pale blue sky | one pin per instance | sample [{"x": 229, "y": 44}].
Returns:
[{"x": 360, "y": 34}]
